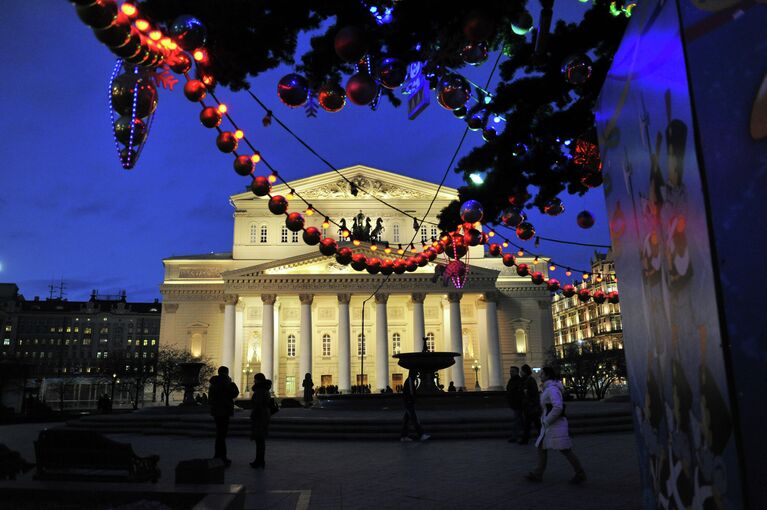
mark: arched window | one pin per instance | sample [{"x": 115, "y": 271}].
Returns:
[
  {"x": 521, "y": 338},
  {"x": 395, "y": 233},
  {"x": 396, "y": 344},
  {"x": 326, "y": 345},
  {"x": 361, "y": 347},
  {"x": 434, "y": 232},
  {"x": 430, "y": 344},
  {"x": 424, "y": 238},
  {"x": 294, "y": 237},
  {"x": 264, "y": 233},
  {"x": 284, "y": 234},
  {"x": 253, "y": 233},
  {"x": 291, "y": 346}
]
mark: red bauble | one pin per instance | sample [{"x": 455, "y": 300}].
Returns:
[
  {"x": 350, "y": 44},
  {"x": 599, "y": 297},
  {"x": 613, "y": 297},
  {"x": 537, "y": 277},
  {"x": 553, "y": 284},
  {"x": 226, "y": 141},
  {"x": 359, "y": 261},
  {"x": 585, "y": 219},
  {"x": 522, "y": 269},
  {"x": 328, "y": 246},
  {"x": 260, "y": 186},
  {"x": 584, "y": 295},
  {"x": 195, "y": 90},
  {"x": 439, "y": 249},
  {"x": 294, "y": 222},
  {"x": 592, "y": 179},
  {"x": 278, "y": 204},
  {"x": 361, "y": 89},
  {"x": 400, "y": 266},
  {"x": 331, "y": 97},
  {"x": 478, "y": 27},
  {"x": 412, "y": 264},
  {"x": 293, "y": 90},
  {"x": 421, "y": 259},
  {"x": 116, "y": 34},
  {"x": 373, "y": 265},
  {"x": 508, "y": 260},
  {"x": 387, "y": 267},
  {"x": 495, "y": 250},
  {"x": 98, "y": 14},
  {"x": 312, "y": 235},
  {"x": 472, "y": 237},
  {"x": 181, "y": 63},
  {"x": 525, "y": 231},
  {"x": 210, "y": 117},
  {"x": 243, "y": 165},
  {"x": 431, "y": 254},
  {"x": 344, "y": 256},
  {"x": 568, "y": 290},
  {"x": 554, "y": 207},
  {"x": 519, "y": 199}
]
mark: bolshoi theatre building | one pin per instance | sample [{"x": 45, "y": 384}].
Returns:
[{"x": 277, "y": 305}]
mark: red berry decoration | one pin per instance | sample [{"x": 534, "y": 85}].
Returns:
[
  {"x": 568, "y": 290},
  {"x": 350, "y": 44},
  {"x": 328, "y": 246},
  {"x": 361, "y": 89},
  {"x": 195, "y": 90},
  {"x": 522, "y": 269},
  {"x": 312, "y": 236},
  {"x": 359, "y": 261},
  {"x": 599, "y": 297},
  {"x": 387, "y": 267},
  {"x": 508, "y": 260},
  {"x": 400, "y": 266},
  {"x": 278, "y": 204},
  {"x": 244, "y": 166},
  {"x": 294, "y": 222},
  {"x": 585, "y": 219},
  {"x": 525, "y": 231},
  {"x": 537, "y": 277},
  {"x": 210, "y": 117},
  {"x": 226, "y": 141},
  {"x": 344, "y": 256},
  {"x": 495, "y": 250},
  {"x": 260, "y": 186},
  {"x": 374, "y": 265},
  {"x": 584, "y": 295},
  {"x": 552, "y": 284},
  {"x": 613, "y": 297}
]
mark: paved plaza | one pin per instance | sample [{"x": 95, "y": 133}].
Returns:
[{"x": 451, "y": 474}]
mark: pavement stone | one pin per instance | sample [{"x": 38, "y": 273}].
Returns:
[{"x": 456, "y": 474}]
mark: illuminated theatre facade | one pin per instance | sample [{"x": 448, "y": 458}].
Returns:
[{"x": 276, "y": 305}]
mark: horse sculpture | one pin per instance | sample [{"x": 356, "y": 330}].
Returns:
[{"x": 375, "y": 234}]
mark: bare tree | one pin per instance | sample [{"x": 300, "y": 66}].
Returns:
[
  {"x": 589, "y": 367},
  {"x": 168, "y": 371}
]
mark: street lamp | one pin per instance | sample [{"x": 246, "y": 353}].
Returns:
[
  {"x": 476, "y": 367},
  {"x": 114, "y": 381},
  {"x": 246, "y": 373}
]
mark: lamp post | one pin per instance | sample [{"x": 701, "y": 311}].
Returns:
[
  {"x": 476, "y": 366},
  {"x": 246, "y": 375},
  {"x": 114, "y": 381}
]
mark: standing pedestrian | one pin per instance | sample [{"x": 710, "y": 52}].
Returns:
[
  {"x": 555, "y": 434},
  {"x": 408, "y": 396},
  {"x": 308, "y": 385},
  {"x": 515, "y": 397},
  {"x": 222, "y": 394},
  {"x": 260, "y": 416},
  {"x": 531, "y": 409}
]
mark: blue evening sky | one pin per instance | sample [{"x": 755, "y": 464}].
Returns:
[{"x": 68, "y": 209}]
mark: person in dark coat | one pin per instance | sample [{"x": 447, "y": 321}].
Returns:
[
  {"x": 308, "y": 385},
  {"x": 531, "y": 410},
  {"x": 515, "y": 396},
  {"x": 222, "y": 394},
  {"x": 451, "y": 387},
  {"x": 260, "y": 416},
  {"x": 408, "y": 396}
]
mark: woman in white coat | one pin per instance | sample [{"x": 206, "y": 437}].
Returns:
[{"x": 554, "y": 431}]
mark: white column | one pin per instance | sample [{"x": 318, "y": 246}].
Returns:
[
  {"x": 236, "y": 370},
  {"x": 456, "y": 339},
  {"x": 382, "y": 342},
  {"x": 276, "y": 355},
  {"x": 227, "y": 342},
  {"x": 494, "y": 366},
  {"x": 267, "y": 335},
  {"x": 419, "y": 325},
  {"x": 344, "y": 348},
  {"x": 305, "y": 341},
  {"x": 481, "y": 355}
]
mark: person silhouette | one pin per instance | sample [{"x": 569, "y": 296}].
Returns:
[
  {"x": 222, "y": 394},
  {"x": 408, "y": 397}
]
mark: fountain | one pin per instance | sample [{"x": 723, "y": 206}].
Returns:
[
  {"x": 190, "y": 379},
  {"x": 426, "y": 363}
]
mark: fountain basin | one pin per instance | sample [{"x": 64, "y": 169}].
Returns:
[{"x": 426, "y": 364}]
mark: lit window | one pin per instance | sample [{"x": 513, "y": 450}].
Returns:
[
  {"x": 434, "y": 233},
  {"x": 395, "y": 234},
  {"x": 284, "y": 234},
  {"x": 396, "y": 344},
  {"x": 86, "y": 341},
  {"x": 69, "y": 329},
  {"x": 430, "y": 344},
  {"x": 146, "y": 342},
  {"x": 253, "y": 233},
  {"x": 53, "y": 330},
  {"x": 326, "y": 345},
  {"x": 87, "y": 330},
  {"x": 521, "y": 340},
  {"x": 264, "y": 233},
  {"x": 361, "y": 347},
  {"x": 291, "y": 346},
  {"x": 424, "y": 237},
  {"x": 130, "y": 341},
  {"x": 98, "y": 355},
  {"x": 6, "y": 341},
  {"x": 77, "y": 329},
  {"x": 294, "y": 237},
  {"x": 154, "y": 341},
  {"x": 8, "y": 327}
]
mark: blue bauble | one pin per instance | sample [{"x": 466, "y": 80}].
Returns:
[{"x": 188, "y": 32}]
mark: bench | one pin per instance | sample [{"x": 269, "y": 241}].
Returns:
[{"x": 65, "y": 454}]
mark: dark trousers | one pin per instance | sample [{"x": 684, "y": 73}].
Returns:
[
  {"x": 528, "y": 419},
  {"x": 408, "y": 417},
  {"x": 260, "y": 450},
  {"x": 516, "y": 423},
  {"x": 222, "y": 427}
]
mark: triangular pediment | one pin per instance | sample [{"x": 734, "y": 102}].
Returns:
[{"x": 372, "y": 183}]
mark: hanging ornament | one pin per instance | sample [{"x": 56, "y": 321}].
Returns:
[
  {"x": 613, "y": 297},
  {"x": 554, "y": 207},
  {"x": 243, "y": 165},
  {"x": 361, "y": 89},
  {"x": 400, "y": 266},
  {"x": 188, "y": 32},
  {"x": 537, "y": 277},
  {"x": 210, "y": 117},
  {"x": 472, "y": 237},
  {"x": 525, "y": 231},
  {"x": 312, "y": 235},
  {"x": 350, "y": 44},
  {"x": 475, "y": 53},
  {"x": 592, "y": 179},
  {"x": 134, "y": 93},
  {"x": 584, "y": 295},
  {"x": 130, "y": 131},
  {"x": 475, "y": 122},
  {"x": 387, "y": 267},
  {"x": 471, "y": 211},
  {"x": 552, "y": 284},
  {"x": 328, "y": 246},
  {"x": 332, "y": 97},
  {"x": 599, "y": 297},
  {"x": 489, "y": 134},
  {"x": 98, "y": 13},
  {"x": 373, "y": 265},
  {"x": 226, "y": 141},
  {"x": 115, "y": 34},
  {"x": 278, "y": 204},
  {"x": 513, "y": 216},
  {"x": 359, "y": 261},
  {"x": 456, "y": 271},
  {"x": 293, "y": 90},
  {"x": 344, "y": 256},
  {"x": 294, "y": 221},
  {"x": 585, "y": 219},
  {"x": 494, "y": 249},
  {"x": 392, "y": 72},
  {"x": 577, "y": 69},
  {"x": 460, "y": 112},
  {"x": 568, "y": 290},
  {"x": 260, "y": 186},
  {"x": 195, "y": 90},
  {"x": 478, "y": 27},
  {"x": 454, "y": 91},
  {"x": 180, "y": 63},
  {"x": 523, "y": 269},
  {"x": 508, "y": 260},
  {"x": 523, "y": 23}
]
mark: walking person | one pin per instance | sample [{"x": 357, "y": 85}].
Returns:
[
  {"x": 515, "y": 397},
  {"x": 260, "y": 416},
  {"x": 531, "y": 409},
  {"x": 308, "y": 385},
  {"x": 408, "y": 395},
  {"x": 222, "y": 394},
  {"x": 555, "y": 434}
]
